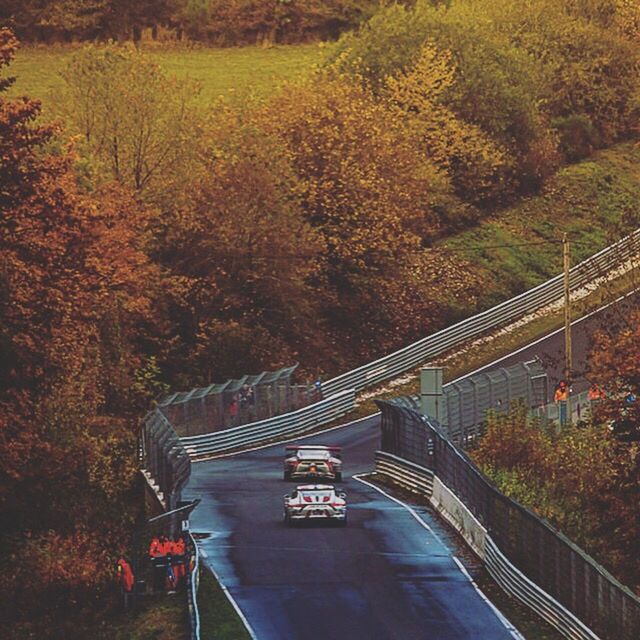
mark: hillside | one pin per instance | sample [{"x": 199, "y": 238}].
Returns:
[{"x": 596, "y": 201}]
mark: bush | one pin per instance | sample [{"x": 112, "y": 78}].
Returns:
[{"x": 578, "y": 137}]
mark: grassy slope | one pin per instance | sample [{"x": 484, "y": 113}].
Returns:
[
  {"x": 587, "y": 200},
  {"x": 226, "y": 72},
  {"x": 218, "y": 620}
]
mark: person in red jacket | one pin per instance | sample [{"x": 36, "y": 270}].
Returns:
[
  {"x": 164, "y": 546},
  {"x": 154, "y": 548},
  {"x": 158, "y": 550},
  {"x": 178, "y": 549},
  {"x": 126, "y": 580}
]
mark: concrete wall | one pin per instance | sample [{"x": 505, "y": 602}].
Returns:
[{"x": 458, "y": 516}]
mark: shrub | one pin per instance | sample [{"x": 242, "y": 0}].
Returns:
[
  {"x": 498, "y": 86},
  {"x": 578, "y": 137}
]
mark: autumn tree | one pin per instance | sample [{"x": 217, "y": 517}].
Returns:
[
  {"x": 77, "y": 288},
  {"x": 578, "y": 478},
  {"x": 497, "y": 88},
  {"x": 244, "y": 265},
  {"x": 477, "y": 165},
  {"x": 140, "y": 124},
  {"x": 373, "y": 195},
  {"x": 614, "y": 365}
]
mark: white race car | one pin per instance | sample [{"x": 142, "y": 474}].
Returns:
[
  {"x": 315, "y": 502},
  {"x": 312, "y": 461}
]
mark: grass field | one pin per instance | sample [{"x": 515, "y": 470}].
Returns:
[{"x": 221, "y": 72}]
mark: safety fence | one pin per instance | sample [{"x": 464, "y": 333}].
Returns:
[
  {"x": 465, "y": 402},
  {"x": 586, "y": 272},
  {"x": 289, "y": 424},
  {"x": 236, "y": 402},
  {"x": 579, "y": 409},
  {"x": 537, "y": 551},
  {"x": 166, "y": 463},
  {"x": 412, "y": 477}
]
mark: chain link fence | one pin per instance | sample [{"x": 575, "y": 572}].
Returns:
[
  {"x": 165, "y": 459},
  {"x": 541, "y": 553},
  {"x": 465, "y": 403},
  {"x": 580, "y": 407},
  {"x": 236, "y": 402}
]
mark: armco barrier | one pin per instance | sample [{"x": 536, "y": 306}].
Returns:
[
  {"x": 405, "y": 359},
  {"x": 290, "y": 424},
  {"x": 404, "y": 473},
  {"x": 411, "y": 476}
]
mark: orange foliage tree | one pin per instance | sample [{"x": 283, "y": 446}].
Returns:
[
  {"x": 76, "y": 286},
  {"x": 366, "y": 186},
  {"x": 242, "y": 261}
]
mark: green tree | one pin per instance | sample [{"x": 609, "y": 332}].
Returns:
[{"x": 138, "y": 122}]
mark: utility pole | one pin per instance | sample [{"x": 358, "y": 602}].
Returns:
[{"x": 568, "y": 365}]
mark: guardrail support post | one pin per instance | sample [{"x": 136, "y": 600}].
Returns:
[{"x": 431, "y": 398}]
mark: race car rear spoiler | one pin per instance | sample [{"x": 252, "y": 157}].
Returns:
[{"x": 295, "y": 447}]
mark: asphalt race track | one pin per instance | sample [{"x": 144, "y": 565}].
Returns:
[{"x": 385, "y": 576}]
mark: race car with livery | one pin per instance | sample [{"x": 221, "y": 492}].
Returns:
[
  {"x": 315, "y": 503},
  {"x": 312, "y": 461}
]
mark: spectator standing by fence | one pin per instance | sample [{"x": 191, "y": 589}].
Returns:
[
  {"x": 233, "y": 410},
  {"x": 560, "y": 397},
  {"x": 126, "y": 580}
]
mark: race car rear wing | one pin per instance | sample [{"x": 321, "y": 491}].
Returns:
[{"x": 336, "y": 451}]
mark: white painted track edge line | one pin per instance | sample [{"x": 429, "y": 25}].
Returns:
[
  {"x": 512, "y": 630},
  {"x": 411, "y": 510},
  {"x": 505, "y": 621},
  {"x": 234, "y": 604},
  {"x": 545, "y": 337}
]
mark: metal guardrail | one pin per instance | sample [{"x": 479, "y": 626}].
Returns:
[
  {"x": 406, "y": 359},
  {"x": 404, "y": 473},
  {"x": 193, "y": 580},
  {"x": 289, "y": 424},
  {"x": 419, "y": 352},
  {"x": 419, "y": 479},
  {"x": 530, "y": 594}
]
